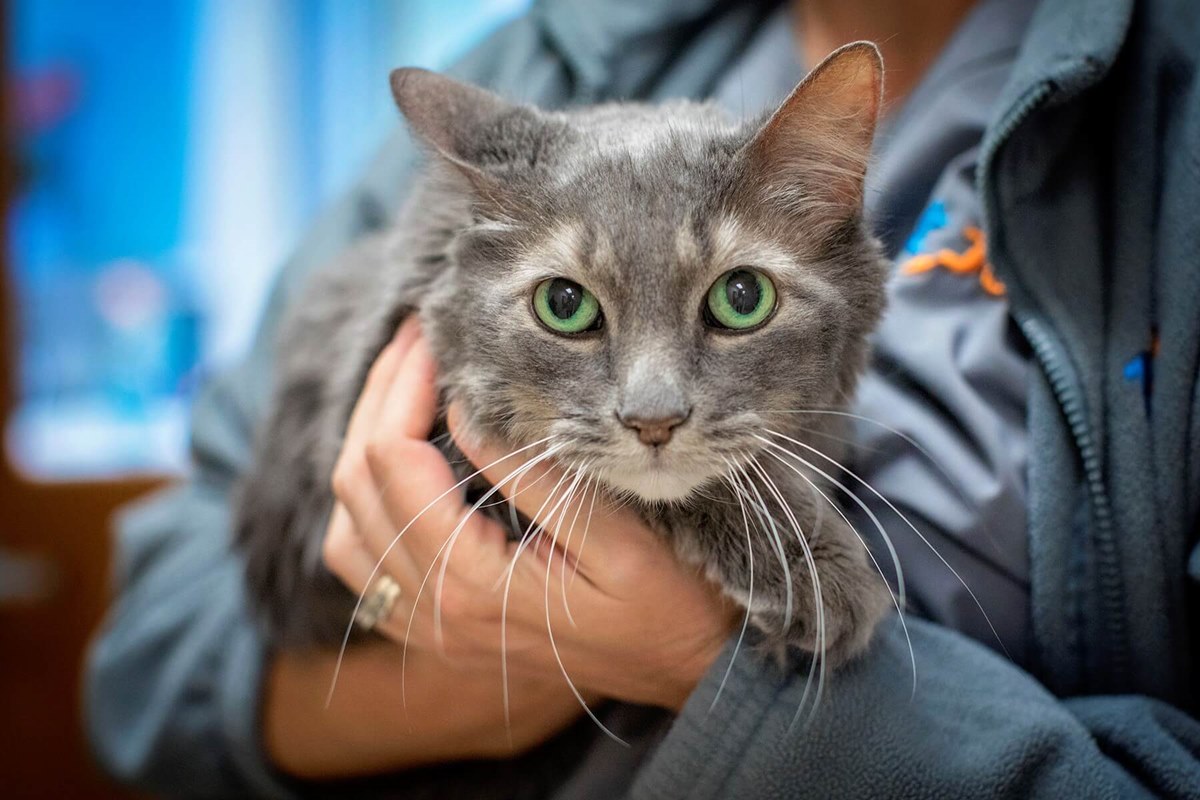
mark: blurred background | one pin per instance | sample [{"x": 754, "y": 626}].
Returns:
[{"x": 160, "y": 159}]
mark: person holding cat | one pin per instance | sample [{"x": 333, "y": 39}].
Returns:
[{"x": 1040, "y": 305}]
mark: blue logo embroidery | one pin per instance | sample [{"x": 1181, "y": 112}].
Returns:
[{"x": 932, "y": 219}]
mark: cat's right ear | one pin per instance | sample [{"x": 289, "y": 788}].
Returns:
[
  {"x": 811, "y": 155},
  {"x": 453, "y": 117}
]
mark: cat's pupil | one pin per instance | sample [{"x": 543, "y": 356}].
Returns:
[
  {"x": 564, "y": 298},
  {"x": 743, "y": 292}
]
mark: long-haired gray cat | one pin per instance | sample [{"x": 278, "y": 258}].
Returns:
[{"x": 658, "y": 289}]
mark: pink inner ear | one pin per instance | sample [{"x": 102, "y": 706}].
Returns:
[{"x": 812, "y": 154}]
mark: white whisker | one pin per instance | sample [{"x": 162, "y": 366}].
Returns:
[
  {"x": 567, "y": 548},
  {"x": 898, "y": 513},
  {"x": 895, "y": 601},
  {"x": 550, "y": 627},
  {"x": 583, "y": 539},
  {"x": 810, "y": 560},
  {"x": 504, "y": 611},
  {"x": 337, "y": 669},
  {"x": 768, "y": 525},
  {"x": 887, "y": 540},
  {"x": 749, "y": 598},
  {"x": 952, "y": 482},
  {"x": 449, "y": 543}
]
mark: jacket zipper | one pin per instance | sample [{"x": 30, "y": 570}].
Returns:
[{"x": 1048, "y": 352}]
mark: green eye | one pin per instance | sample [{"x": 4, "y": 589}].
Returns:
[
  {"x": 564, "y": 306},
  {"x": 740, "y": 299}
]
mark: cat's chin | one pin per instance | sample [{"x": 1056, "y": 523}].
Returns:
[{"x": 654, "y": 485}]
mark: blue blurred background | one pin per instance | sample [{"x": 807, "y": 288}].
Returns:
[{"x": 169, "y": 154}]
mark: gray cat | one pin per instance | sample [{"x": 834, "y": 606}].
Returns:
[{"x": 658, "y": 288}]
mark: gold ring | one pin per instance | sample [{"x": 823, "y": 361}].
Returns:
[{"x": 377, "y": 605}]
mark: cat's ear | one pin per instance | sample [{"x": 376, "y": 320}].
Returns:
[
  {"x": 457, "y": 119},
  {"x": 811, "y": 155}
]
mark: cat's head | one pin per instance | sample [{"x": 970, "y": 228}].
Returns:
[{"x": 654, "y": 287}]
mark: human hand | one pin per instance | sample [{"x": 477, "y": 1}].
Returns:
[
  {"x": 371, "y": 724},
  {"x": 640, "y": 626}
]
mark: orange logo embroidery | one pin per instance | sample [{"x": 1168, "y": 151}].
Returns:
[{"x": 973, "y": 259}]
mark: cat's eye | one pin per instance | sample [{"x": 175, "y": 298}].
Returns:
[
  {"x": 564, "y": 306},
  {"x": 741, "y": 299}
]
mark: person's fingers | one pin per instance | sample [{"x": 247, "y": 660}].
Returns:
[
  {"x": 350, "y": 473},
  {"x": 380, "y": 379},
  {"x": 418, "y": 488},
  {"x": 343, "y": 551},
  {"x": 578, "y": 517},
  {"x": 346, "y": 558},
  {"x": 372, "y": 527},
  {"x": 411, "y": 403}
]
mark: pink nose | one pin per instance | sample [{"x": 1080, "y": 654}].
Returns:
[{"x": 656, "y": 431}]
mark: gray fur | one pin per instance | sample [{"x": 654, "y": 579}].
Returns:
[{"x": 645, "y": 206}]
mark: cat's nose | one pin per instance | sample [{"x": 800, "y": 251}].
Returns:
[{"x": 654, "y": 430}]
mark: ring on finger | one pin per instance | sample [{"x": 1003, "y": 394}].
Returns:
[{"x": 377, "y": 606}]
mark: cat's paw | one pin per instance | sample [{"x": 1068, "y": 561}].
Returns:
[{"x": 852, "y": 609}]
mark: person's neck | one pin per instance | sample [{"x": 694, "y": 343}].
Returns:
[{"x": 910, "y": 33}]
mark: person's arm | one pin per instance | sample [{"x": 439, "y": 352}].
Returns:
[
  {"x": 374, "y": 727},
  {"x": 977, "y": 726}
]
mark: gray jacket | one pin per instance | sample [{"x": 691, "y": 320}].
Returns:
[{"x": 1090, "y": 182}]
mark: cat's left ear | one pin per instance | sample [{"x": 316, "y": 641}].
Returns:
[
  {"x": 811, "y": 155},
  {"x": 473, "y": 129}
]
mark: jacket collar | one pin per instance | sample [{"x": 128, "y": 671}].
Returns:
[
  {"x": 591, "y": 34},
  {"x": 1071, "y": 43}
]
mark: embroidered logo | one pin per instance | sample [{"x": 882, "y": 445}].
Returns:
[{"x": 972, "y": 261}]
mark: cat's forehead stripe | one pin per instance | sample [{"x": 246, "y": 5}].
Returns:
[
  {"x": 561, "y": 247},
  {"x": 733, "y": 244},
  {"x": 687, "y": 248}
]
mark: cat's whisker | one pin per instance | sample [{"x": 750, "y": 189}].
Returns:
[
  {"x": 513, "y": 516},
  {"x": 820, "y": 510},
  {"x": 337, "y": 669},
  {"x": 578, "y": 474},
  {"x": 573, "y": 491},
  {"x": 509, "y": 499},
  {"x": 550, "y": 627},
  {"x": 857, "y": 445},
  {"x": 895, "y": 601},
  {"x": 901, "y": 515},
  {"x": 532, "y": 531},
  {"x": 449, "y": 543},
  {"x": 952, "y": 482},
  {"x": 586, "y": 527},
  {"x": 811, "y": 562},
  {"x": 567, "y": 548},
  {"x": 767, "y": 521},
  {"x": 448, "y": 548},
  {"x": 750, "y": 594},
  {"x": 768, "y": 526},
  {"x": 887, "y": 540},
  {"x": 851, "y": 415}
]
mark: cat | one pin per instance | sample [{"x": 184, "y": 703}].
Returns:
[{"x": 657, "y": 287}]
